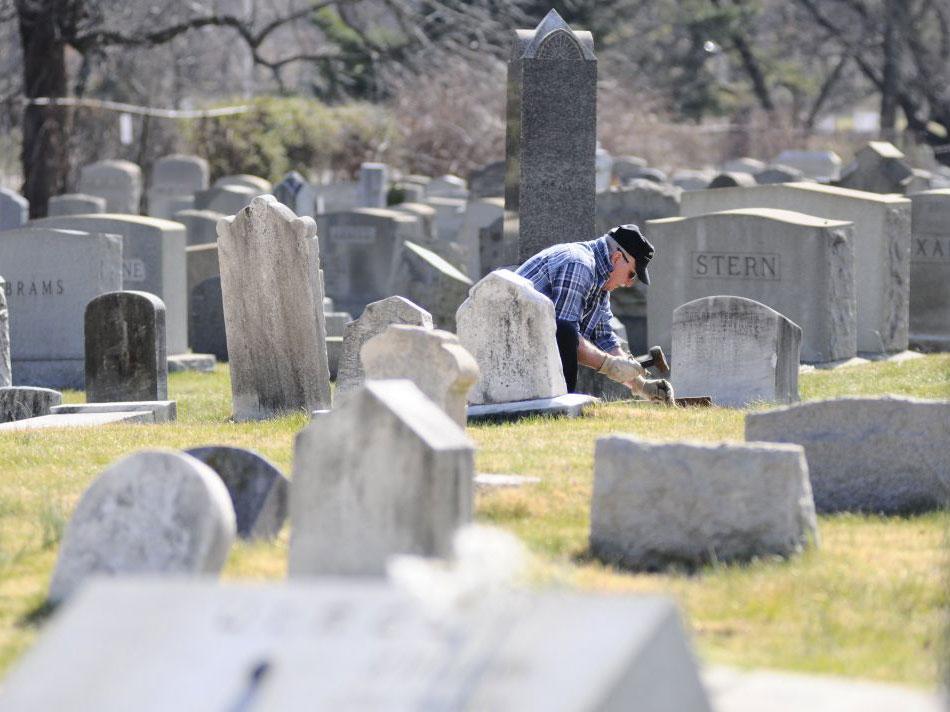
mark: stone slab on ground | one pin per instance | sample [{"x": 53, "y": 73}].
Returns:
[
  {"x": 571, "y": 405},
  {"x": 491, "y": 481},
  {"x": 164, "y": 411},
  {"x": 79, "y": 420},
  {"x": 203, "y": 363},
  {"x": 886, "y": 455},
  {"x": 256, "y": 647},
  {"x": 22, "y": 402}
]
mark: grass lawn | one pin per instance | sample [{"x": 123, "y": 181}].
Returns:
[{"x": 871, "y": 602}]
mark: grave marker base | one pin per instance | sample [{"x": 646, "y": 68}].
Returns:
[{"x": 570, "y": 406}]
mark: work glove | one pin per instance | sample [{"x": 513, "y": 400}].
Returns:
[
  {"x": 621, "y": 370},
  {"x": 657, "y": 390}
]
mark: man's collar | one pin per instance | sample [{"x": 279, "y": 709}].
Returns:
[{"x": 602, "y": 260}]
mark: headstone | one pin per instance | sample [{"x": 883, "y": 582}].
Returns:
[
  {"x": 881, "y": 249},
  {"x": 335, "y": 197},
  {"x": 661, "y": 504},
  {"x": 930, "y": 271},
  {"x": 161, "y": 411},
  {"x": 374, "y": 320},
  {"x": 779, "y": 174},
  {"x": 264, "y": 640},
  {"x": 372, "y": 186},
  {"x": 75, "y": 204},
  {"x": 21, "y": 402},
  {"x": 244, "y": 180},
  {"x": 47, "y": 298},
  {"x": 119, "y": 182},
  {"x": 426, "y": 215},
  {"x": 386, "y": 473},
  {"x": 206, "y": 328},
  {"x": 175, "y": 180},
  {"x": 879, "y": 167},
  {"x": 552, "y": 122},
  {"x": 800, "y": 266},
  {"x": 276, "y": 347},
  {"x": 496, "y": 249},
  {"x": 6, "y": 372},
  {"x": 636, "y": 202},
  {"x": 654, "y": 175},
  {"x": 410, "y": 192},
  {"x": 625, "y": 168},
  {"x": 336, "y": 322},
  {"x": 603, "y": 167},
  {"x": 751, "y": 166},
  {"x": 14, "y": 210},
  {"x": 735, "y": 350},
  {"x": 487, "y": 181},
  {"x": 226, "y": 199},
  {"x": 509, "y": 327},
  {"x": 449, "y": 215},
  {"x": 732, "y": 180},
  {"x": 478, "y": 215},
  {"x": 80, "y": 420},
  {"x": 202, "y": 263},
  {"x": 822, "y": 166},
  {"x": 884, "y": 455},
  {"x": 692, "y": 180},
  {"x": 153, "y": 512},
  {"x": 433, "y": 360},
  {"x": 125, "y": 348},
  {"x": 297, "y": 194},
  {"x": 257, "y": 488},
  {"x": 153, "y": 261},
  {"x": 200, "y": 226},
  {"x": 425, "y": 279},
  {"x": 447, "y": 186}
]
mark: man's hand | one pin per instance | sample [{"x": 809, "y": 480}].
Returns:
[
  {"x": 621, "y": 370},
  {"x": 657, "y": 390}
]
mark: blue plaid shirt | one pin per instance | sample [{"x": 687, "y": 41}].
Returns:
[{"x": 572, "y": 275}]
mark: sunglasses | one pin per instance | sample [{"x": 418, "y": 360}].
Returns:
[{"x": 633, "y": 274}]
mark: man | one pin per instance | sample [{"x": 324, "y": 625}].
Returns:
[{"x": 579, "y": 277}]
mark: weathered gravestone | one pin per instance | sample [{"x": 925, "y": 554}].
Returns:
[
  {"x": 273, "y": 311},
  {"x": 479, "y": 214},
  {"x": 636, "y": 202},
  {"x": 200, "y": 226},
  {"x": 206, "y": 329},
  {"x": 125, "y": 348},
  {"x": 21, "y": 402},
  {"x": 487, "y": 181},
  {"x": 881, "y": 249},
  {"x": 377, "y": 647},
  {"x": 14, "y": 209},
  {"x": 799, "y": 265},
  {"x": 374, "y": 320},
  {"x": 257, "y": 488},
  {"x": 226, "y": 199},
  {"x": 551, "y": 137},
  {"x": 51, "y": 275},
  {"x": 822, "y": 166},
  {"x": 386, "y": 473},
  {"x": 885, "y": 455},
  {"x": 930, "y": 271},
  {"x": 372, "y": 185},
  {"x": 509, "y": 327},
  {"x": 879, "y": 167},
  {"x": 735, "y": 350},
  {"x": 6, "y": 372},
  {"x": 119, "y": 182},
  {"x": 432, "y": 359},
  {"x": 75, "y": 204},
  {"x": 175, "y": 180},
  {"x": 661, "y": 504},
  {"x": 495, "y": 249},
  {"x": 153, "y": 261},
  {"x": 244, "y": 180},
  {"x": 424, "y": 278},
  {"x": 153, "y": 512}
]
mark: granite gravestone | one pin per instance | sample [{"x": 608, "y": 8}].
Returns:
[
  {"x": 881, "y": 455},
  {"x": 824, "y": 166},
  {"x": 881, "y": 248},
  {"x": 175, "y": 180},
  {"x": 22, "y": 402},
  {"x": 14, "y": 210},
  {"x": 75, "y": 204},
  {"x": 551, "y": 137},
  {"x": 372, "y": 185},
  {"x": 386, "y": 473},
  {"x": 636, "y": 202},
  {"x": 206, "y": 330},
  {"x": 487, "y": 181},
  {"x": 119, "y": 182},
  {"x": 273, "y": 311},
  {"x": 257, "y": 488},
  {"x": 6, "y": 373},
  {"x": 735, "y": 350},
  {"x": 374, "y": 320},
  {"x": 153, "y": 512},
  {"x": 50, "y": 277},
  {"x": 879, "y": 167},
  {"x": 661, "y": 504},
  {"x": 433, "y": 360},
  {"x": 153, "y": 261},
  {"x": 509, "y": 327},
  {"x": 449, "y": 215},
  {"x": 163, "y": 411},
  {"x": 424, "y": 278},
  {"x": 125, "y": 348},
  {"x": 495, "y": 249},
  {"x": 200, "y": 226},
  {"x": 930, "y": 271},
  {"x": 479, "y": 214}
]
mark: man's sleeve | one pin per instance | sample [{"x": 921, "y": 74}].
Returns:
[
  {"x": 569, "y": 283},
  {"x": 603, "y": 336}
]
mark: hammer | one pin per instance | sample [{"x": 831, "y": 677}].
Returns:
[{"x": 656, "y": 360}]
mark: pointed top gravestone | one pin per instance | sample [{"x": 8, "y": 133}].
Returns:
[
  {"x": 551, "y": 137},
  {"x": 273, "y": 311}
]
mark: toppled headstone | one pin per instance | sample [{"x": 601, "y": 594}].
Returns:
[
  {"x": 257, "y": 488},
  {"x": 930, "y": 271},
  {"x": 885, "y": 455},
  {"x": 125, "y": 348},
  {"x": 206, "y": 326},
  {"x": 372, "y": 185},
  {"x": 153, "y": 512},
  {"x": 162, "y": 411},
  {"x": 433, "y": 360},
  {"x": 552, "y": 122},
  {"x": 657, "y": 504},
  {"x": 509, "y": 327},
  {"x": 119, "y": 182},
  {"x": 374, "y": 320},
  {"x": 277, "y": 346},
  {"x": 75, "y": 204},
  {"x": 424, "y": 278},
  {"x": 6, "y": 372},
  {"x": 385, "y": 473},
  {"x": 14, "y": 210},
  {"x": 22, "y": 402},
  {"x": 735, "y": 350}
]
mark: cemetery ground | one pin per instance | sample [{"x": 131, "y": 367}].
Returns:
[{"x": 872, "y": 601}]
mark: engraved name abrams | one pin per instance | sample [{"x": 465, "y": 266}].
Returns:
[
  {"x": 735, "y": 265},
  {"x": 931, "y": 249},
  {"x": 35, "y": 288}
]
